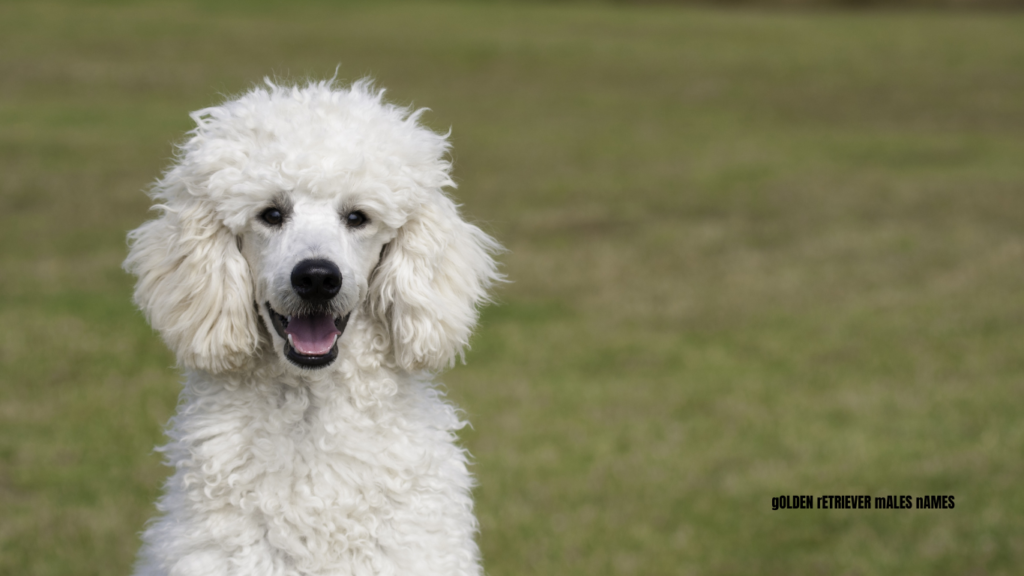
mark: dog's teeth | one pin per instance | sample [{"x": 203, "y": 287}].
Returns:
[{"x": 290, "y": 343}]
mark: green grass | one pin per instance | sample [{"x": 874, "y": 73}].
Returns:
[{"x": 752, "y": 254}]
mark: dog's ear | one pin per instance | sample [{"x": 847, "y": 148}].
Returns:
[
  {"x": 194, "y": 285},
  {"x": 429, "y": 282}
]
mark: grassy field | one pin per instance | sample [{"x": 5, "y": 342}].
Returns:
[{"x": 752, "y": 254}]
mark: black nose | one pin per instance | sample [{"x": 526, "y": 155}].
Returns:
[{"x": 316, "y": 280}]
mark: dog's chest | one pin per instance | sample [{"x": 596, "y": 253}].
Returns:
[{"x": 325, "y": 481}]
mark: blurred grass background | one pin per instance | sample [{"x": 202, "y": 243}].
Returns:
[{"x": 752, "y": 254}]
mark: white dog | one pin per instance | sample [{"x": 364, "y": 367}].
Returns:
[{"x": 310, "y": 275}]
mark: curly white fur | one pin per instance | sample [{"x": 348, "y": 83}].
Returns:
[{"x": 282, "y": 469}]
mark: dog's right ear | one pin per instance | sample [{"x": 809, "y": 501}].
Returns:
[{"x": 194, "y": 285}]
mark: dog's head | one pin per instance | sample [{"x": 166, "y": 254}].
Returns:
[{"x": 307, "y": 207}]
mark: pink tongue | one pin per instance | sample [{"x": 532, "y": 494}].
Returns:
[{"x": 312, "y": 335}]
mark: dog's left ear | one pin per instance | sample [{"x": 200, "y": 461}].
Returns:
[
  {"x": 429, "y": 283},
  {"x": 194, "y": 285}
]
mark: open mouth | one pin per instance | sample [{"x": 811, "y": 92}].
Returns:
[{"x": 310, "y": 341}]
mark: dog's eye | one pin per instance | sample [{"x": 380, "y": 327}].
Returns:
[
  {"x": 356, "y": 219},
  {"x": 272, "y": 216}
]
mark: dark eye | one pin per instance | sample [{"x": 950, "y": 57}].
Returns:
[
  {"x": 356, "y": 219},
  {"x": 272, "y": 216}
]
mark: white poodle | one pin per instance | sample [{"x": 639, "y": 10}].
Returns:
[{"x": 310, "y": 274}]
